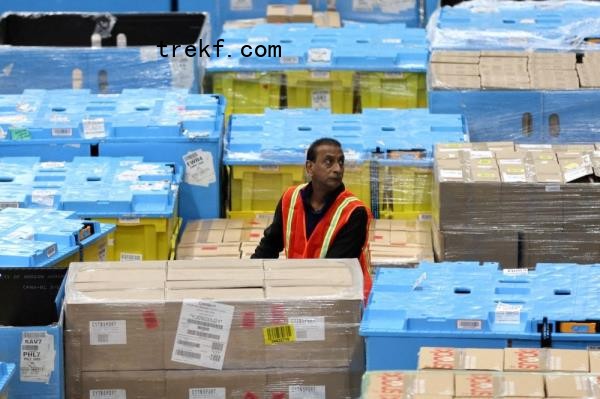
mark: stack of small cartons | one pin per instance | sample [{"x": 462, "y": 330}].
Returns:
[
  {"x": 284, "y": 13},
  {"x": 514, "y": 70},
  {"x": 516, "y": 204},
  {"x": 222, "y": 238},
  {"x": 446, "y": 373},
  {"x": 400, "y": 243},
  {"x": 214, "y": 329}
]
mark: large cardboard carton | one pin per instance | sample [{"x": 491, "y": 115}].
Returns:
[
  {"x": 505, "y": 385},
  {"x": 401, "y": 384},
  {"x": 534, "y": 359},
  {"x": 461, "y": 359}
]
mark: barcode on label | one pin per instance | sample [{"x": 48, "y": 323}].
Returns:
[
  {"x": 51, "y": 251},
  {"x": 9, "y": 205},
  {"x": 215, "y": 357},
  {"x": 469, "y": 324},
  {"x": 208, "y": 393},
  {"x": 103, "y": 338},
  {"x": 515, "y": 272},
  {"x": 125, "y": 257},
  {"x": 204, "y": 391},
  {"x": 188, "y": 354},
  {"x": 62, "y": 132},
  {"x": 289, "y": 60},
  {"x": 205, "y": 324},
  {"x": 30, "y": 347},
  {"x": 279, "y": 334},
  {"x": 34, "y": 335},
  {"x": 203, "y": 334},
  {"x": 217, "y": 346},
  {"x": 188, "y": 343}
]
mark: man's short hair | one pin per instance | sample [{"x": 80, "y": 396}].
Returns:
[{"x": 311, "y": 153}]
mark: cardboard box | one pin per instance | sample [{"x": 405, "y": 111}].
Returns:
[
  {"x": 458, "y": 69},
  {"x": 572, "y": 385},
  {"x": 594, "y": 361},
  {"x": 193, "y": 237},
  {"x": 399, "y": 384},
  {"x": 505, "y": 385},
  {"x": 123, "y": 384},
  {"x": 206, "y": 224},
  {"x": 457, "y": 57},
  {"x": 461, "y": 359},
  {"x": 246, "y": 235},
  {"x": 560, "y": 360},
  {"x": 198, "y": 251},
  {"x": 438, "y": 81},
  {"x": 282, "y": 13},
  {"x": 327, "y": 19}
]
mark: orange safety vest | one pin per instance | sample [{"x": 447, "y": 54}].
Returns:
[{"x": 294, "y": 229}]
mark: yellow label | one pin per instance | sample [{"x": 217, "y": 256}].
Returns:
[
  {"x": 484, "y": 161},
  {"x": 279, "y": 334}
]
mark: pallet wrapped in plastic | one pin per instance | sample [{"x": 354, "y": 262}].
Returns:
[
  {"x": 103, "y": 52},
  {"x": 516, "y": 204},
  {"x": 542, "y": 96},
  {"x": 303, "y": 66},
  {"x": 217, "y": 317}
]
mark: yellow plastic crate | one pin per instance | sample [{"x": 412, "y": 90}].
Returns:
[
  {"x": 392, "y": 90},
  {"x": 259, "y": 188},
  {"x": 76, "y": 257},
  {"x": 248, "y": 92},
  {"x": 96, "y": 252},
  {"x": 321, "y": 89},
  {"x": 405, "y": 192},
  {"x": 174, "y": 239},
  {"x": 140, "y": 238},
  {"x": 357, "y": 179}
]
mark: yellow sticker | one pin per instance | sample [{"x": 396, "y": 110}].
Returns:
[
  {"x": 484, "y": 161},
  {"x": 279, "y": 334}
]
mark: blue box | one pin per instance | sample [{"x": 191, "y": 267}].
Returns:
[
  {"x": 53, "y": 51},
  {"x": 523, "y": 116},
  {"x": 87, "y": 5},
  {"x": 467, "y": 305},
  {"x": 16, "y": 340},
  {"x": 6, "y": 373}
]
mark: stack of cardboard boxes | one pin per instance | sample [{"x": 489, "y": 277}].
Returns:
[
  {"x": 513, "y": 70},
  {"x": 446, "y": 373},
  {"x": 516, "y": 204},
  {"x": 391, "y": 242},
  {"x": 213, "y": 329},
  {"x": 284, "y": 13}
]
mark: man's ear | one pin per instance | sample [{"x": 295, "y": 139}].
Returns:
[{"x": 309, "y": 168}]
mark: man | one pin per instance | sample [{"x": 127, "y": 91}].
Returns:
[{"x": 320, "y": 219}]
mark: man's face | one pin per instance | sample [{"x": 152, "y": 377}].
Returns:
[{"x": 328, "y": 168}]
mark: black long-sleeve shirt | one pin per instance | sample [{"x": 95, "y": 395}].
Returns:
[{"x": 348, "y": 242}]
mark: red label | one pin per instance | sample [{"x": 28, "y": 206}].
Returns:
[
  {"x": 377, "y": 237},
  {"x": 250, "y": 395},
  {"x": 278, "y": 395},
  {"x": 443, "y": 358},
  {"x": 150, "y": 319},
  {"x": 248, "y": 320},
  {"x": 278, "y": 314},
  {"x": 254, "y": 235},
  {"x": 392, "y": 385},
  {"x": 209, "y": 247},
  {"x": 528, "y": 359},
  {"x": 481, "y": 385}
]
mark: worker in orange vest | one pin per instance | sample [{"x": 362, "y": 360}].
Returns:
[{"x": 320, "y": 219}]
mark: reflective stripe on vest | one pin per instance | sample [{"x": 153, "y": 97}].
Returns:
[
  {"x": 290, "y": 217},
  {"x": 333, "y": 225}
]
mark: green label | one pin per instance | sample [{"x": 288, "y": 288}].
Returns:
[{"x": 18, "y": 133}]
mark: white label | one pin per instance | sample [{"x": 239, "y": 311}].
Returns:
[
  {"x": 258, "y": 39},
  {"x": 508, "y": 388},
  {"x": 510, "y": 161},
  {"x": 240, "y": 5},
  {"x": 62, "y": 132},
  {"x": 128, "y": 257},
  {"x": 309, "y": 328},
  {"x": 289, "y": 60},
  {"x": 393, "y": 40},
  {"x": 108, "y": 332},
  {"x": 206, "y": 393},
  {"x": 527, "y": 21},
  {"x": 129, "y": 220},
  {"x": 481, "y": 154},
  {"x": 108, "y": 394},
  {"x": 93, "y": 128},
  {"x": 182, "y": 71},
  {"x": 269, "y": 168},
  {"x": 202, "y": 334},
  {"x": 43, "y": 197},
  {"x": 512, "y": 178},
  {"x": 4, "y": 205},
  {"x": 51, "y": 251},
  {"x": 246, "y": 75},
  {"x": 469, "y": 324},
  {"x": 419, "y": 281},
  {"x": 320, "y": 74},
  {"x": 508, "y": 313},
  {"x": 575, "y": 174},
  {"x": 451, "y": 174},
  {"x": 552, "y": 188},
  {"x": 149, "y": 53},
  {"x": 102, "y": 253},
  {"x": 306, "y": 392},
  {"x": 2, "y": 133},
  {"x": 199, "y": 170},
  {"x": 319, "y": 55},
  {"x": 395, "y": 6},
  {"x": 362, "y": 5},
  {"x": 321, "y": 99},
  {"x": 52, "y": 165},
  {"x": 424, "y": 217},
  {"x": 515, "y": 272},
  {"x": 37, "y": 357},
  {"x": 536, "y": 146}
]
